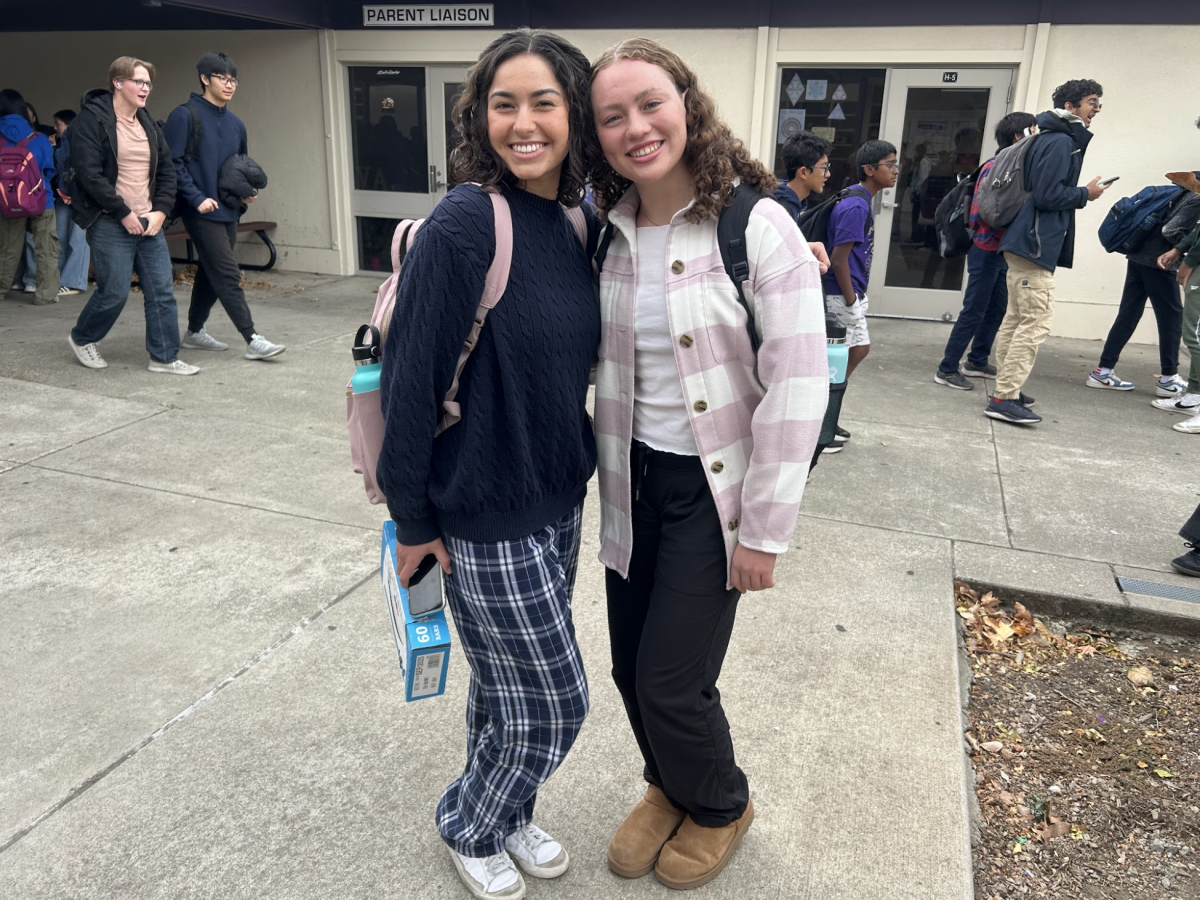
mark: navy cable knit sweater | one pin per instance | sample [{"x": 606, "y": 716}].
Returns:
[{"x": 521, "y": 457}]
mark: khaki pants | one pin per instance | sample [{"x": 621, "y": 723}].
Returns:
[
  {"x": 1025, "y": 325},
  {"x": 45, "y": 249}
]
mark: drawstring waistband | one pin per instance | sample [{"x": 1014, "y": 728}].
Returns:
[{"x": 643, "y": 456}]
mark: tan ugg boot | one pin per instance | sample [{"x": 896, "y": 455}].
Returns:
[
  {"x": 696, "y": 855},
  {"x": 636, "y": 845}
]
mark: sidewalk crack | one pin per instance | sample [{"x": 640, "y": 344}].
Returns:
[
  {"x": 87, "y": 784},
  {"x": 1000, "y": 482}
]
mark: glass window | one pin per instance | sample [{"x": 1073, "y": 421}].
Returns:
[
  {"x": 844, "y": 106},
  {"x": 375, "y": 243},
  {"x": 943, "y": 140},
  {"x": 389, "y": 129},
  {"x": 452, "y": 92}
]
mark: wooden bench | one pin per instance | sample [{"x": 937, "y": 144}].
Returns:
[{"x": 178, "y": 233}]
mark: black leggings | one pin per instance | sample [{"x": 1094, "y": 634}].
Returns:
[{"x": 1142, "y": 282}]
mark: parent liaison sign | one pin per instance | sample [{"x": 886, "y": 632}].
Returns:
[{"x": 428, "y": 16}]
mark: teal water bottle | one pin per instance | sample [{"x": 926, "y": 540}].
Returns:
[
  {"x": 367, "y": 355},
  {"x": 839, "y": 353}
]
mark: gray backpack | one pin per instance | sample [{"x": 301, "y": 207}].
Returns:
[{"x": 1002, "y": 194}]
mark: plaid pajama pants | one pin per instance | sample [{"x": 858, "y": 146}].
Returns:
[{"x": 528, "y": 695}]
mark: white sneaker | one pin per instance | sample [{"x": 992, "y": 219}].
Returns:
[
  {"x": 489, "y": 877},
  {"x": 1189, "y": 426},
  {"x": 1188, "y": 404},
  {"x": 536, "y": 852},
  {"x": 260, "y": 348},
  {"x": 65, "y": 291},
  {"x": 1172, "y": 387},
  {"x": 88, "y": 354},
  {"x": 30, "y": 288},
  {"x": 202, "y": 340},
  {"x": 178, "y": 367}
]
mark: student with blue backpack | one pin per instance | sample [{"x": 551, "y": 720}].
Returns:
[
  {"x": 1152, "y": 227},
  {"x": 26, "y": 200}
]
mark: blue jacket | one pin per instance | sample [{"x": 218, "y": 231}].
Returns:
[
  {"x": 789, "y": 200},
  {"x": 16, "y": 129},
  {"x": 224, "y": 136},
  {"x": 1044, "y": 230}
]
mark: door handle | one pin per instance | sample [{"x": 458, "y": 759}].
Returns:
[
  {"x": 435, "y": 180},
  {"x": 886, "y": 204}
]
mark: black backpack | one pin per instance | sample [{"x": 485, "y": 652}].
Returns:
[
  {"x": 195, "y": 135},
  {"x": 814, "y": 222},
  {"x": 951, "y": 221}
]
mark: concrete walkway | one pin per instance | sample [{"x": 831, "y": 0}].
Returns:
[{"x": 201, "y": 698}]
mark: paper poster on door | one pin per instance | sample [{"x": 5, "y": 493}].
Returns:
[
  {"x": 817, "y": 88},
  {"x": 795, "y": 89},
  {"x": 830, "y": 134},
  {"x": 839, "y": 93},
  {"x": 837, "y": 113},
  {"x": 791, "y": 121}
]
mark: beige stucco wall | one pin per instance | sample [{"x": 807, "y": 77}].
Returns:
[{"x": 279, "y": 98}]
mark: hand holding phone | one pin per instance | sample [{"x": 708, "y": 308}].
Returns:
[{"x": 1107, "y": 181}]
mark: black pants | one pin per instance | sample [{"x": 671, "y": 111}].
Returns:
[
  {"x": 1142, "y": 282},
  {"x": 669, "y": 627},
  {"x": 217, "y": 275},
  {"x": 1190, "y": 532}
]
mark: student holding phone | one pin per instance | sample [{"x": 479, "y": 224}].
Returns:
[{"x": 498, "y": 498}]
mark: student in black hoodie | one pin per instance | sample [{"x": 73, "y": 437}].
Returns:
[
  {"x": 1041, "y": 238},
  {"x": 122, "y": 193},
  {"x": 210, "y": 224}
]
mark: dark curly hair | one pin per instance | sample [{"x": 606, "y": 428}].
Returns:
[
  {"x": 1073, "y": 92},
  {"x": 474, "y": 159},
  {"x": 713, "y": 155}
]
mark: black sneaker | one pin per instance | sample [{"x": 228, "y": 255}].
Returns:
[
  {"x": 1189, "y": 563},
  {"x": 840, "y": 435},
  {"x": 953, "y": 380},
  {"x": 1026, "y": 401},
  {"x": 1011, "y": 411},
  {"x": 987, "y": 371},
  {"x": 835, "y": 447}
]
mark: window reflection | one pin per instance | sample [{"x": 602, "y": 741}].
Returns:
[{"x": 388, "y": 115}]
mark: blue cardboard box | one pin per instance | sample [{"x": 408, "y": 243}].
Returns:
[{"x": 423, "y": 639}]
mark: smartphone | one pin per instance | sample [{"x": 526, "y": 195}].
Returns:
[
  {"x": 145, "y": 222},
  {"x": 1107, "y": 181},
  {"x": 424, "y": 596}
]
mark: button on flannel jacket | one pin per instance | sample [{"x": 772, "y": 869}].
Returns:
[{"x": 756, "y": 440}]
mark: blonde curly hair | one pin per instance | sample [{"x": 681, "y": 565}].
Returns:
[{"x": 713, "y": 155}]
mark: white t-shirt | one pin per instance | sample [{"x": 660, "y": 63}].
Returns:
[{"x": 660, "y": 418}]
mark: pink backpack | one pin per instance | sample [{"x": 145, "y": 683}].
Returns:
[
  {"x": 364, "y": 412},
  {"x": 22, "y": 191}
]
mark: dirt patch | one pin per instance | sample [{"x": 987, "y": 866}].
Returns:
[{"x": 1086, "y": 748}]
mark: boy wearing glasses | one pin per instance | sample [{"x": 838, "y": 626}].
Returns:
[
  {"x": 212, "y": 226},
  {"x": 1041, "y": 238},
  {"x": 806, "y": 162}
]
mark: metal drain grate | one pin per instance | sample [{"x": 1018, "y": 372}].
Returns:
[{"x": 1158, "y": 589}]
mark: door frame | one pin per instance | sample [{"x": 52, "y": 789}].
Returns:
[
  {"x": 396, "y": 205},
  {"x": 926, "y": 303}
]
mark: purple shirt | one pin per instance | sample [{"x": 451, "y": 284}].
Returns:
[{"x": 852, "y": 222}]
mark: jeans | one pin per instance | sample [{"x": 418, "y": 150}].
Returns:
[
  {"x": 1190, "y": 531},
  {"x": 16, "y": 237},
  {"x": 217, "y": 275},
  {"x": 74, "y": 256},
  {"x": 116, "y": 255},
  {"x": 1142, "y": 282},
  {"x": 669, "y": 627},
  {"x": 983, "y": 310}
]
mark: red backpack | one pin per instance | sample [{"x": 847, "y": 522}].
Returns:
[{"x": 22, "y": 190}]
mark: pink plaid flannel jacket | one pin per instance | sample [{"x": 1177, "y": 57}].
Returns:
[{"x": 756, "y": 443}]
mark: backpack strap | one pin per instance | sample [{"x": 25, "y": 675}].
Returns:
[
  {"x": 493, "y": 287},
  {"x": 731, "y": 238},
  {"x": 195, "y": 132}
]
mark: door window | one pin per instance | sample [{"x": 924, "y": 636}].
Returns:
[
  {"x": 844, "y": 106},
  {"x": 389, "y": 126},
  {"x": 943, "y": 136}
]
